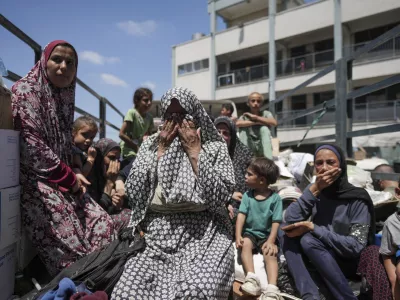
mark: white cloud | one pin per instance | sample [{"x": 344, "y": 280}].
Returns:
[
  {"x": 150, "y": 85},
  {"x": 96, "y": 58},
  {"x": 113, "y": 80},
  {"x": 138, "y": 28}
]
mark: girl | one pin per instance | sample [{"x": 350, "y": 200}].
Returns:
[{"x": 84, "y": 130}]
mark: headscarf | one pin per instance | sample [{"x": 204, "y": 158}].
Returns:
[
  {"x": 173, "y": 171},
  {"x": 96, "y": 176},
  {"x": 44, "y": 113},
  {"x": 241, "y": 155},
  {"x": 342, "y": 189}
]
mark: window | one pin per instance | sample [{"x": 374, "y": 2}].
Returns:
[{"x": 193, "y": 66}]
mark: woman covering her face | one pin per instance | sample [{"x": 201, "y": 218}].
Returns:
[{"x": 178, "y": 188}]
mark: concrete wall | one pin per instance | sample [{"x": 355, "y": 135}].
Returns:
[{"x": 198, "y": 82}]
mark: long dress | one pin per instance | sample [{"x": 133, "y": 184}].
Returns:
[
  {"x": 62, "y": 227},
  {"x": 188, "y": 255}
]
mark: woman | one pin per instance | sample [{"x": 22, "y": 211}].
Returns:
[
  {"x": 64, "y": 224},
  {"x": 342, "y": 223},
  {"x": 105, "y": 189},
  {"x": 240, "y": 155},
  {"x": 178, "y": 188}
]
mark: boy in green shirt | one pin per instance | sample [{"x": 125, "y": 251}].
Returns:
[
  {"x": 138, "y": 124},
  {"x": 260, "y": 214},
  {"x": 254, "y": 127}
]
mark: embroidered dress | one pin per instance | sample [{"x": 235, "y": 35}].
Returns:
[
  {"x": 61, "y": 227},
  {"x": 188, "y": 255}
]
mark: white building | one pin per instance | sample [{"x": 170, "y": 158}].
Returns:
[{"x": 304, "y": 45}]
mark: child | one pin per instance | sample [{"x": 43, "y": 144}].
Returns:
[
  {"x": 390, "y": 249},
  {"x": 227, "y": 111},
  {"x": 254, "y": 127},
  {"x": 84, "y": 130},
  {"x": 260, "y": 214},
  {"x": 138, "y": 124}
]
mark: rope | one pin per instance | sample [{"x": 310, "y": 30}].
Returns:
[{"x": 315, "y": 122}]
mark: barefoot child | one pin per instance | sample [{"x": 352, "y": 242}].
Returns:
[
  {"x": 84, "y": 130},
  {"x": 260, "y": 214}
]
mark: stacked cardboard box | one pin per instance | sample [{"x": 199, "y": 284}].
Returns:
[{"x": 10, "y": 220}]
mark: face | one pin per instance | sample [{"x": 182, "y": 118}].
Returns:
[
  {"x": 144, "y": 104},
  {"x": 175, "y": 111},
  {"x": 254, "y": 181},
  {"x": 225, "y": 112},
  {"x": 223, "y": 130},
  {"x": 83, "y": 139},
  {"x": 112, "y": 155},
  {"x": 61, "y": 66},
  {"x": 326, "y": 160},
  {"x": 255, "y": 102}
]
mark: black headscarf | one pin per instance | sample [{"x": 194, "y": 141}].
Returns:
[
  {"x": 232, "y": 129},
  {"x": 342, "y": 189},
  {"x": 96, "y": 176}
]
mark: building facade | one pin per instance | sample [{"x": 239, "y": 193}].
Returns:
[{"x": 304, "y": 45}]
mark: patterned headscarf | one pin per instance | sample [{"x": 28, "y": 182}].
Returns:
[
  {"x": 48, "y": 114},
  {"x": 173, "y": 170},
  {"x": 241, "y": 155}
]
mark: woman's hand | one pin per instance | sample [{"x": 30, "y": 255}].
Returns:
[
  {"x": 190, "y": 139},
  {"x": 112, "y": 171},
  {"x": 80, "y": 185},
  {"x": 300, "y": 228},
  {"x": 269, "y": 248},
  {"x": 326, "y": 178},
  {"x": 167, "y": 135},
  {"x": 118, "y": 199},
  {"x": 231, "y": 212},
  {"x": 237, "y": 196}
]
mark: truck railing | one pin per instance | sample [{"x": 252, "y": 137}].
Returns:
[{"x": 37, "y": 49}]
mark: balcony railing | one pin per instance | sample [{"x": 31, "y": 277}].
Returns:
[
  {"x": 368, "y": 112},
  {"x": 307, "y": 63}
]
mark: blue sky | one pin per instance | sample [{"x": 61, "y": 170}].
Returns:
[{"x": 121, "y": 45}]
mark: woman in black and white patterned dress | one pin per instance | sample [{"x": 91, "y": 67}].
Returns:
[{"x": 178, "y": 188}]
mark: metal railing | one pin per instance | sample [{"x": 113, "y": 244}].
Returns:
[
  {"x": 344, "y": 96},
  {"x": 368, "y": 112},
  {"x": 37, "y": 49},
  {"x": 308, "y": 63}
]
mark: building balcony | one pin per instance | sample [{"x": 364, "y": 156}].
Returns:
[
  {"x": 370, "y": 112},
  {"x": 309, "y": 63}
]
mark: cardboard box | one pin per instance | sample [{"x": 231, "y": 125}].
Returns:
[
  {"x": 9, "y": 158},
  {"x": 7, "y": 271},
  {"x": 6, "y": 119},
  {"x": 10, "y": 219},
  {"x": 25, "y": 251}
]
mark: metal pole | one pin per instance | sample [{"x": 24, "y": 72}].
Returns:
[
  {"x": 173, "y": 66},
  {"x": 102, "y": 117},
  {"x": 337, "y": 30},
  {"x": 341, "y": 79},
  {"x": 213, "y": 29},
  {"x": 272, "y": 58}
]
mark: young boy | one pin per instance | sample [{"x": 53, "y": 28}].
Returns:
[
  {"x": 254, "y": 127},
  {"x": 227, "y": 111},
  {"x": 138, "y": 124},
  {"x": 260, "y": 214},
  {"x": 84, "y": 130},
  {"x": 390, "y": 249}
]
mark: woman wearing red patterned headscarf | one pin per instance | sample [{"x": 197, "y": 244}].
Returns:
[{"x": 63, "y": 222}]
